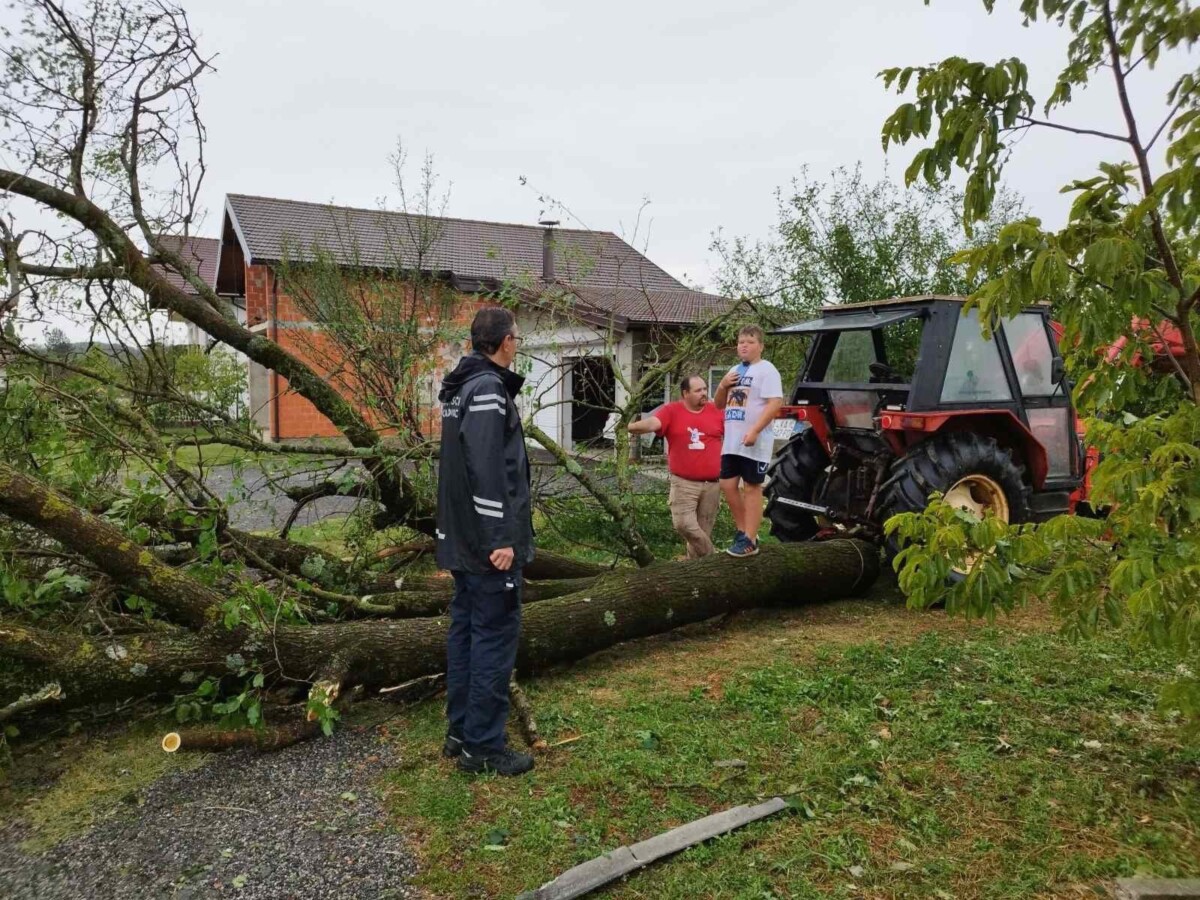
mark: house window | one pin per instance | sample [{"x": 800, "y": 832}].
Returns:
[
  {"x": 657, "y": 393},
  {"x": 715, "y": 374}
]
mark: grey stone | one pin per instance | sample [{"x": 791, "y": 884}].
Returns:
[
  {"x": 588, "y": 876},
  {"x": 1157, "y": 888}
]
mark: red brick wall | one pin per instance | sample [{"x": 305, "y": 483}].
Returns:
[{"x": 291, "y": 416}]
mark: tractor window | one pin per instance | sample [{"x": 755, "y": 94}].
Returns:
[
  {"x": 852, "y": 357},
  {"x": 1031, "y": 354},
  {"x": 1052, "y": 426},
  {"x": 974, "y": 374},
  {"x": 901, "y": 344}
]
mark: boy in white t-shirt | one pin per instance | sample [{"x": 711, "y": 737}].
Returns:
[{"x": 751, "y": 394}]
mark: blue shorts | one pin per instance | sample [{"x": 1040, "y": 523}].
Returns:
[{"x": 751, "y": 471}]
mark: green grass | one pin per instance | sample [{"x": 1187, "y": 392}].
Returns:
[
  {"x": 328, "y": 533},
  {"x": 924, "y": 758},
  {"x": 191, "y": 456}
]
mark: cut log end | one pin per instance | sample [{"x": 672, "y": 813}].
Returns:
[
  {"x": 172, "y": 741},
  {"x": 323, "y": 693}
]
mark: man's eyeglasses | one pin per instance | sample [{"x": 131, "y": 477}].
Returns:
[{"x": 516, "y": 339}]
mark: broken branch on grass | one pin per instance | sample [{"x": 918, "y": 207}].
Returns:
[
  {"x": 524, "y": 711},
  {"x": 47, "y": 695}
]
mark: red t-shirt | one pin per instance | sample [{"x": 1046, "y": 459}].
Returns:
[{"x": 693, "y": 440}]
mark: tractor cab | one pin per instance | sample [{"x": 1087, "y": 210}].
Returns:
[{"x": 885, "y": 384}]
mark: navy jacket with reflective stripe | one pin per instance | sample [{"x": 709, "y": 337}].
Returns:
[{"x": 483, "y": 473}]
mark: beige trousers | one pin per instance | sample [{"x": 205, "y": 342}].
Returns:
[{"x": 694, "y": 507}]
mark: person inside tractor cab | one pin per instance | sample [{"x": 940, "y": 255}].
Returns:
[{"x": 751, "y": 394}]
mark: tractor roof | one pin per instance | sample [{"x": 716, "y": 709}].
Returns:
[{"x": 915, "y": 300}]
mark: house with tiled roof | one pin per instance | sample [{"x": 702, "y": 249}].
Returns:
[{"x": 587, "y": 300}]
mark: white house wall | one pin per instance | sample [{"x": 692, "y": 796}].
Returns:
[{"x": 545, "y": 346}]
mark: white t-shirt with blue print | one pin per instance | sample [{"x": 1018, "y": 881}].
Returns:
[{"x": 757, "y": 383}]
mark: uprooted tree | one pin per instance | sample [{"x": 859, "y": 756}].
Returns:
[{"x": 121, "y": 572}]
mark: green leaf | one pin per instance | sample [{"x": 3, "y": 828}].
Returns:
[
  {"x": 496, "y": 837},
  {"x": 647, "y": 740}
]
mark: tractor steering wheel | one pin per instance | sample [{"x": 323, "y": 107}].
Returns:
[{"x": 882, "y": 373}]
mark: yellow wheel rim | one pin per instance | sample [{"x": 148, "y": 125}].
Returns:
[{"x": 980, "y": 496}]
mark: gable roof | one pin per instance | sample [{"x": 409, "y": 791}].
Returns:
[
  {"x": 202, "y": 254},
  {"x": 604, "y": 271}
]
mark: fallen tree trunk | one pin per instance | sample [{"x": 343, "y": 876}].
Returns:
[
  {"x": 621, "y": 606},
  {"x": 298, "y": 559},
  {"x": 547, "y": 565},
  {"x": 425, "y": 596},
  {"x": 275, "y": 737}
]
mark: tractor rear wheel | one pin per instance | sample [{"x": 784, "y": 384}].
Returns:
[
  {"x": 793, "y": 476},
  {"x": 970, "y": 470}
]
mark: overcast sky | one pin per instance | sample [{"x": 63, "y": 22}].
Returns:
[{"x": 701, "y": 107}]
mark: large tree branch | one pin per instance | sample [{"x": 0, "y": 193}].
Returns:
[
  {"x": 182, "y": 597},
  {"x": 619, "y": 607},
  {"x": 396, "y": 493}
]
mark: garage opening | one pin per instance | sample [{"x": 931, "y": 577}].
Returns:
[{"x": 593, "y": 396}]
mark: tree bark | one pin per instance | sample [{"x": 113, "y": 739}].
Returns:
[
  {"x": 425, "y": 596},
  {"x": 548, "y": 565},
  {"x": 274, "y": 737},
  {"x": 619, "y": 607},
  {"x": 549, "y": 575},
  {"x": 183, "y": 598}
]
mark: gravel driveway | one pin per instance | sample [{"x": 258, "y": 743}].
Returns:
[{"x": 302, "y": 823}]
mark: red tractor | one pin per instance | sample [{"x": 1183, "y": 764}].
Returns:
[{"x": 900, "y": 398}]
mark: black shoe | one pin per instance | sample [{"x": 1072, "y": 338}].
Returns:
[
  {"x": 453, "y": 747},
  {"x": 502, "y": 762}
]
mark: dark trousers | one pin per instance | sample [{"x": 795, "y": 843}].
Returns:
[{"x": 481, "y": 648}]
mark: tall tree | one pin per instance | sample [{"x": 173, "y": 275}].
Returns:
[
  {"x": 846, "y": 239},
  {"x": 1124, "y": 276}
]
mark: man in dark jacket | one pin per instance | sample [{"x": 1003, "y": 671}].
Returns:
[{"x": 485, "y": 538}]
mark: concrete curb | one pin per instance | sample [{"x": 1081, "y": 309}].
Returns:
[{"x": 1157, "y": 888}]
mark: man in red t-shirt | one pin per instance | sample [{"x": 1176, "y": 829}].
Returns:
[{"x": 693, "y": 429}]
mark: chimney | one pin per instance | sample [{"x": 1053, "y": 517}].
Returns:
[{"x": 548, "y": 248}]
